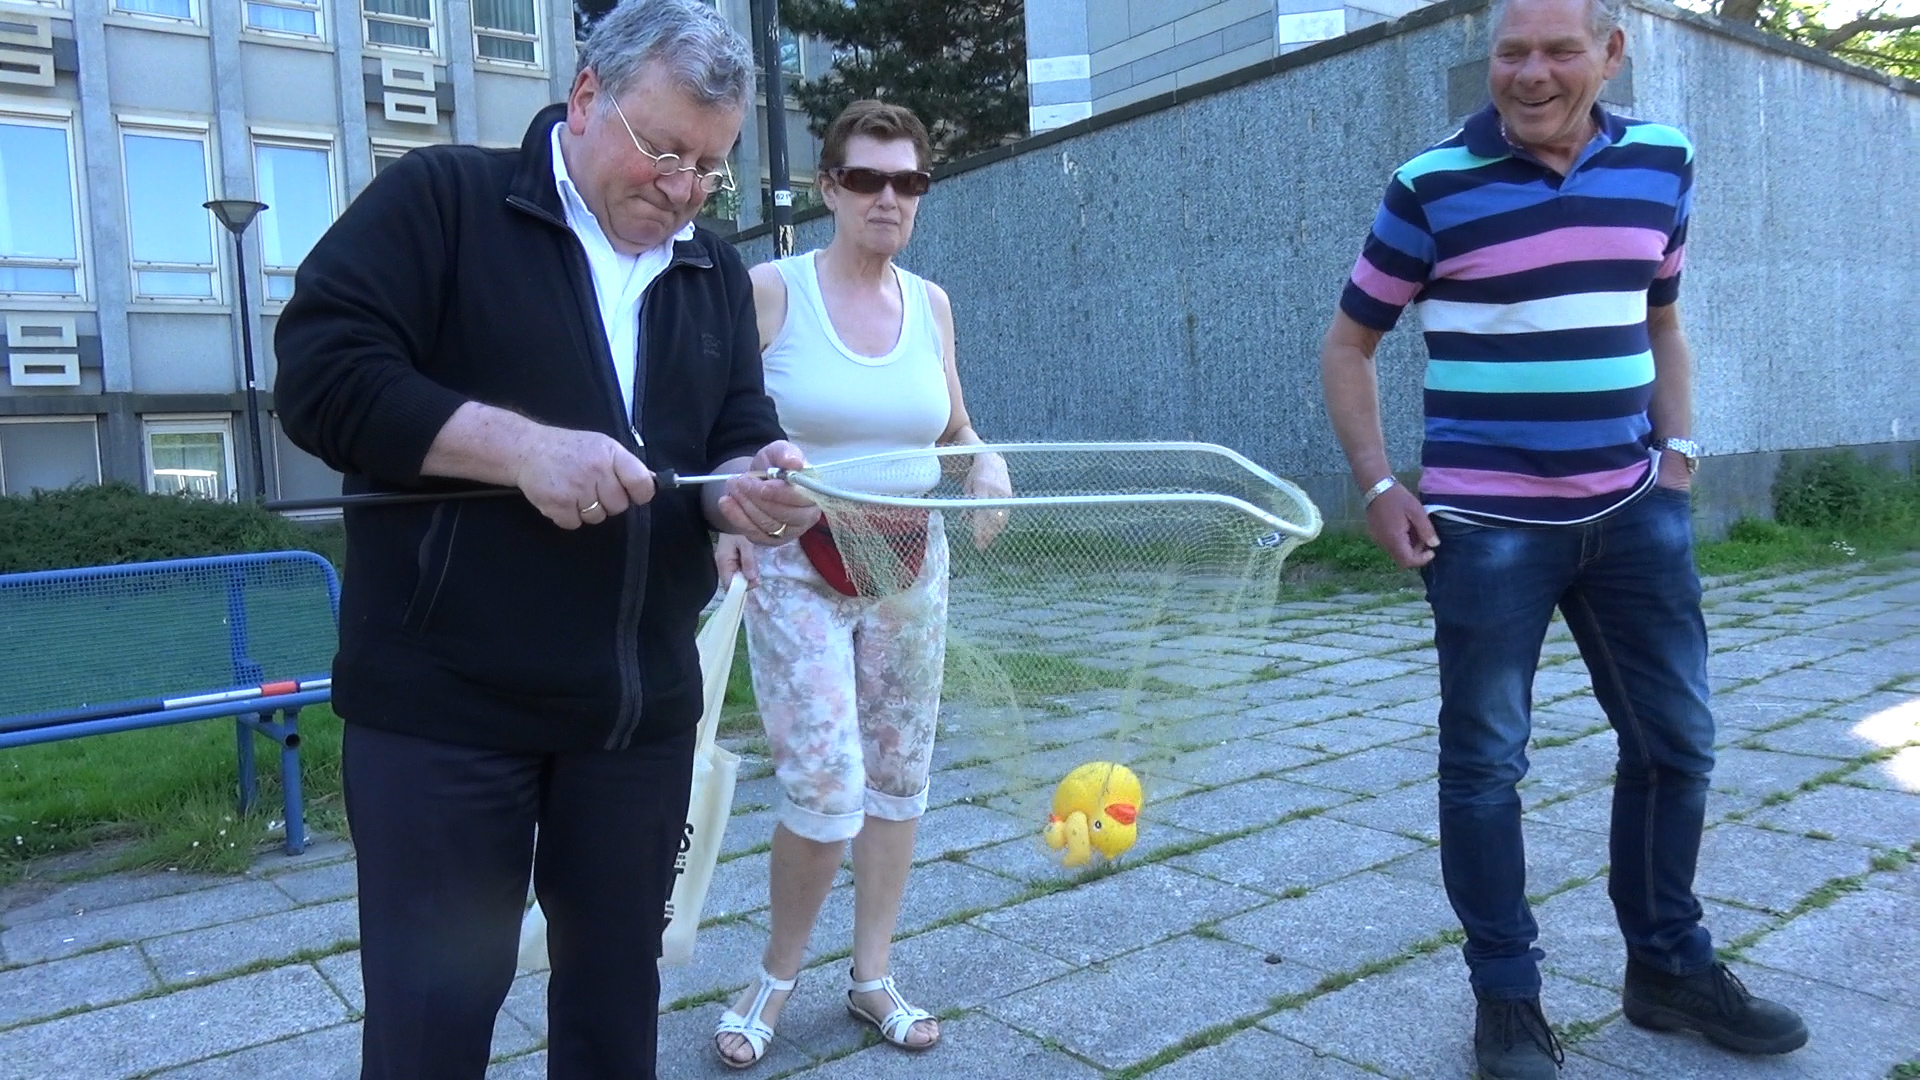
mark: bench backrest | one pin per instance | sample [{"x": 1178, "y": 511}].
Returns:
[{"x": 71, "y": 640}]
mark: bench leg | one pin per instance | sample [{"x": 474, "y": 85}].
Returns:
[
  {"x": 294, "y": 806},
  {"x": 243, "y": 737}
]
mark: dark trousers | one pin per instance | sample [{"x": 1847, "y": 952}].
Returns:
[
  {"x": 445, "y": 837},
  {"x": 1628, "y": 589}
]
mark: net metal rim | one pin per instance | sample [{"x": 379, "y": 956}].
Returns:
[{"x": 805, "y": 478}]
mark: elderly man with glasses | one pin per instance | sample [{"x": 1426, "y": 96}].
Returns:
[{"x": 546, "y": 319}]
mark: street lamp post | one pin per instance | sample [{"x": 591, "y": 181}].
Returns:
[{"x": 236, "y": 215}]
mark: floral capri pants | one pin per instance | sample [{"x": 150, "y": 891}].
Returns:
[{"x": 849, "y": 690}]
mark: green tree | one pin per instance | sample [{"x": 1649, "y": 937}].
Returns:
[
  {"x": 959, "y": 64},
  {"x": 1876, "y": 36}
]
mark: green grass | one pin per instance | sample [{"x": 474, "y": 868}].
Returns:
[{"x": 158, "y": 797}]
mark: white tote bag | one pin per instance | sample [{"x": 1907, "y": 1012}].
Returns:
[{"x": 714, "y": 771}]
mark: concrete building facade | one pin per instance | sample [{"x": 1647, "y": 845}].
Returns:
[
  {"x": 119, "y": 118},
  {"x": 1092, "y": 56}
]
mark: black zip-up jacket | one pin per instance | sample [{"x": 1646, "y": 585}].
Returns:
[{"x": 455, "y": 278}]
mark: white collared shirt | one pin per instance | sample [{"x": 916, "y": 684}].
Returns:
[{"x": 619, "y": 281}]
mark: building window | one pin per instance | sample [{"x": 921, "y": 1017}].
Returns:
[
  {"x": 166, "y": 9},
  {"x": 506, "y": 30},
  {"x": 790, "y": 55},
  {"x": 39, "y": 238},
  {"x": 47, "y": 455},
  {"x": 190, "y": 456},
  {"x": 400, "y": 24},
  {"x": 300, "y": 17},
  {"x": 173, "y": 238},
  {"x": 296, "y": 183}
]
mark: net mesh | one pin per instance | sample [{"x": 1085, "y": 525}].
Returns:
[
  {"x": 105, "y": 635},
  {"x": 1102, "y": 597}
]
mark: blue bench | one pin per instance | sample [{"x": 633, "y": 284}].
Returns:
[{"x": 117, "y": 648}]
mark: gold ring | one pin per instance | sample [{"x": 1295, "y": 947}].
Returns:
[
  {"x": 590, "y": 507},
  {"x": 781, "y": 531}
]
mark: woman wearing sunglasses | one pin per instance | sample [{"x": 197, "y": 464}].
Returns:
[{"x": 858, "y": 355}]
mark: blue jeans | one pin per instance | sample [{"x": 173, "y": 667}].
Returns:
[{"x": 1630, "y": 594}]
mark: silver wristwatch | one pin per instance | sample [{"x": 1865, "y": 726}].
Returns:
[{"x": 1686, "y": 448}]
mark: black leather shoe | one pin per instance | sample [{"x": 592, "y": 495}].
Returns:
[
  {"x": 1511, "y": 1040},
  {"x": 1712, "y": 1003}
]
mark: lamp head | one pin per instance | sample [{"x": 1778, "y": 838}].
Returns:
[{"x": 235, "y": 214}]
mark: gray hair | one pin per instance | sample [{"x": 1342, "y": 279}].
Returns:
[
  {"x": 706, "y": 58},
  {"x": 1603, "y": 17}
]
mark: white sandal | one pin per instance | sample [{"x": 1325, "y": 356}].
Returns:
[
  {"x": 750, "y": 1027},
  {"x": 898, "y": 1024}
]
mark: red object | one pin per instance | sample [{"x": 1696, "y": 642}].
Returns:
[
  {"x": 904, "y": 532},
  {"x": 1124, "y": 813}
]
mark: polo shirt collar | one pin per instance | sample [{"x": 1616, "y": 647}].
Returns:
[{"x": 1483, "y": 137}]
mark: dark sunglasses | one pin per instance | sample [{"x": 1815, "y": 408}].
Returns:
[{"x": 869, "y": 181}]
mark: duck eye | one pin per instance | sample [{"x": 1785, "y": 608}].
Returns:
[{"x": 1096, "y": 823}]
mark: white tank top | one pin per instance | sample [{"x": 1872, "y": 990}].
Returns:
[{"x": 836, "y": 404}]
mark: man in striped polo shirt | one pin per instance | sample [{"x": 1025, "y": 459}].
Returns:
[{"x": 1542, "y": 245}]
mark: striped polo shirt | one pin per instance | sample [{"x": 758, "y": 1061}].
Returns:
[{"x": 1533, "y": 291}]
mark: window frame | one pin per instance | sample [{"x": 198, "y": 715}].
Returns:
[
  {"x": 289, "y": 140},
  {"x": 220, "y": 424},
  {"x": 196, "y": 14},
  {"x": 186, "y": 131},
  {"x": 21, "y": 115},
  {"x": 92, "y": 421},
  {"x": 318, "y": 7},
  {"x": 383, "y": 145},
  {"x": 538, "y": 63},
  {"x": 432, "y": 24}
]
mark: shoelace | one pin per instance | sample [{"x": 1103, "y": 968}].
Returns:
[
  {"x": 1525, "y": 1018},
  {"x": 1730, "y": 993}
]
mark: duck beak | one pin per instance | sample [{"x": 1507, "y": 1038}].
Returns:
[{"x": 1124, "y": 813}]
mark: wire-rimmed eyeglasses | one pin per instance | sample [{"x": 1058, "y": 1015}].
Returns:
[{"x": 669, "y": 164}]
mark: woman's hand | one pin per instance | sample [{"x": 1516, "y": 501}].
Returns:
[
  {"x": 734, "y": 554},
  {"x": 987, "y": 479}
]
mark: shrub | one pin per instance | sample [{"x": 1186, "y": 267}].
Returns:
[
  {"x": 116, "y": 523},
  {"x": 1839, "y": 492}
]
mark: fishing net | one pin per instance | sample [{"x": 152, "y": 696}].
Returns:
[{"x": 1106, "y": 608}]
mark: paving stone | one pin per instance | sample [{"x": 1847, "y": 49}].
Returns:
[
  {"x": 335, "y": 881},
  {"x": 1237, "y": 760},
  {"x": 1380, "y": 769},
  {"x": 1242, "y": 805},
  {"x": 1557, "y": 855},
  {"x": 1346, "y": 734},
  {"x": 527, "y": 1001},
  {"x": 964, "y": 827},
  {"x": 1564, "y": 681},
  {"x": 1346, "y": 924},
  {"x": 1569, "y": 768},
  {"x": 1592, "y": 811},
  {"x": 963, "y": 967},
  {"x": 936, "y": 892},
  {"x": 1854, "y": 1037},
  {"x": 1028, "y": 859},
  {"x": 217, "y": 950},
  {"x": 724, "y": 958},
  {"x": 1419, "y": 687},
  {"x": 41, "y": 990},
  {"x": 526, "y": 1067},
  {"x": 68, "y": 934},
  {"x": 512, "y": 1037},
  {"x": 342, "y": 972},
  {"x": 1257, "y": 1052},
  {"x": 686, "y": 1050},
  {"x": 745, "y": 832},
  {"x": 1747, "y": 710},
  {"x": 1901, "y": 772},
  {"x": 1306, "y": 853},
  {"x": 1867, "y": 940},
  {"x": 1819, "y": 736},
  {"x": 739, "y": 886},
  {"x": 328, "y": 1054},
  {"x": 972, "y": 1045},
  {"x": 1581, "y": 935},
  {"x": 1313, "y": 654},
  {"x": 1410, "y": 810},
  {"x": 1754, "y": 662},
  {"x": 1219, "y": 982},
  {"x": 1851, "y": 815},
  {"x": 21, "y": 904},
  {"x": 1355, "y": 675},
  {"x": 1884, "y": 719},
  {"x": 1297, "y": 708},
  {"x": 176, "y": 1029},
  {"x": 1365, "y": 644},
  {"x": 1130, "y": 909},
  {"x": 1756, "y": 774},
  {"x": 1768, "y": 870},
  {"x": 1419, "y": 1017},
  {"x": 1194, "y": 675}
]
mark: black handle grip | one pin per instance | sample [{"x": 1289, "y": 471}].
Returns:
[{"x": 663, "y": 480}]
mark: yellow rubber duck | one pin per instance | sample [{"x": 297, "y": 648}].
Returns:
[{"x": 1096, "y": 808}]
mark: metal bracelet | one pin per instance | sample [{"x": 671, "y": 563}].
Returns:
[{"x": 1376, "y": 491}]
